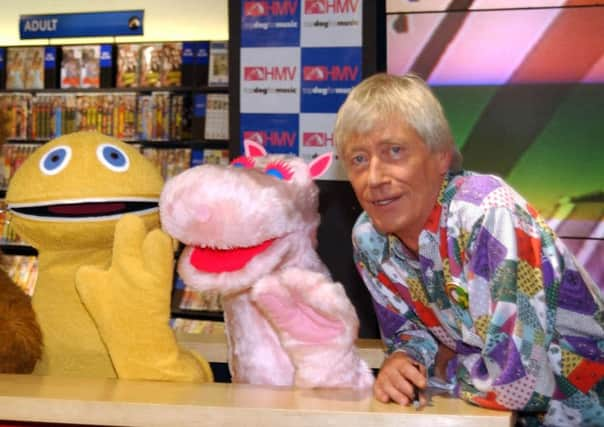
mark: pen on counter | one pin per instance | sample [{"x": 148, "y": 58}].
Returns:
[{"x": 415, "y": 401}]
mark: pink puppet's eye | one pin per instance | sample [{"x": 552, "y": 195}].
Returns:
[
  {"x": 243, "y": 162},
  {"x": 279, "y": 170}
]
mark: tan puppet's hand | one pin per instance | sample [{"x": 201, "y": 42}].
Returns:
[{"x": 130, "y": 304}]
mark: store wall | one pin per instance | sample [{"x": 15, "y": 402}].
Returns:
[{"x": 165, "y": 20}]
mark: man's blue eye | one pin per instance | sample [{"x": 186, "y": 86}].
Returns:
[
  {"x": 55, "y": 160},
  {"x": 113, "y": 157},
  {"x": 358, "y": 159}
]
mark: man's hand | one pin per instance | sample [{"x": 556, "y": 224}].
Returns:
[{"x": 396, "y": 380}]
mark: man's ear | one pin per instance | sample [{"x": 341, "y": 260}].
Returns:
[{"x": 444, "y": 157}]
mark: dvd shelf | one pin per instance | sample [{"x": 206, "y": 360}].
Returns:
[
  {"x": 166, "y": 115},
  {"x": 169, "y": 99}
]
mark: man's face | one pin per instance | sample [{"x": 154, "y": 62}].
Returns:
[{"x": 396, "y": 178}]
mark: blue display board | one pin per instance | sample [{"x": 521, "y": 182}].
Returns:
[
  {"x": 90, "y": 24},
  {"x": 299, "y": 60}
]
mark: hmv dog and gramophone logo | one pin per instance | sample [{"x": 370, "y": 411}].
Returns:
[
  {"x": 270, "y": 23},
  {"x": 337, "y": 7},
  {"x": 332, "y": 23},
  {"x": 328, "y": 75},
  {"x": 270, "y": 80},
  {"x": 278, "y": 133}
]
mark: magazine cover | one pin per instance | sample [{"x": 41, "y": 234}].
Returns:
[
  {"x": 171, "y": 64},
  {"x": 34, "y": 68},
  {"x": 56, "y": 102},
  {"x": 215, "y": 156},
  {"x": 150, "y": 65},
  {"x": 124, "y": 116},
  {"x": 176, "y": 111},
  {"x": 217, "y": 116},
  {"x": 69, "y": 114},
  {"x": 41, "y": 117},
  {"x": 128, "y": 65},
  {"x": 18, "y": 106},
  {"x": 144, "y": 117},
  {"x": 106, "y": 101},
  {"x": 219, "y": 64},
  {"x": 161, "y": 116},
  {"x": 70, "y": 66},
  {"x": 90, "y": 66},
  {"x": 15, "y": 71}
]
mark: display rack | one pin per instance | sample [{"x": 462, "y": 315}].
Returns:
[{"x": 202, "y": 89}]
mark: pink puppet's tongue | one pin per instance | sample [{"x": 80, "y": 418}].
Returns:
[{"x": 221, "y": 261}]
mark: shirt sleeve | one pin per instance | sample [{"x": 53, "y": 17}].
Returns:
[
  {"x": 509, "y": 257},
  {"x": 400, "y": 328}
]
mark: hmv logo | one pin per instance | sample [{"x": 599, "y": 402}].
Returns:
[
  {"x": 260, "y": 73},
  {"x": 316, "y": 139},
  {"x": 321, "y": 73},
  {"x": 270, "y": 8},
  {"x": 320, "y": 7},
  {"x": 272, "y": 138}
]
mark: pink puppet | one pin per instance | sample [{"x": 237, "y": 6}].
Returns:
[{"x": 250, "y": 233}]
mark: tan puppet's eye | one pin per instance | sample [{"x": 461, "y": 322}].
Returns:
[
  {"x": 113, "y": 157},
  {"x": 55, "y": 160}
]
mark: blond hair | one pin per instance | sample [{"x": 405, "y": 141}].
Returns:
[{"x": 384, "y": 97}]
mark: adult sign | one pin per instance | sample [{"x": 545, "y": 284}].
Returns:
[{"x": 90, "y": 24}]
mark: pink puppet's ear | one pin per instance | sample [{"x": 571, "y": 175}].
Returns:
[
  {"x": 253, "y": 149},
  {"x": 320, "y": 165}
]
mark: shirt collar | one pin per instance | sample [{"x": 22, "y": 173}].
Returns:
[{"x": 397, "y": 248}]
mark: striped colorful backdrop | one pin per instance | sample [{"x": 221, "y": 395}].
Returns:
[{"x": 522, "y": 82}]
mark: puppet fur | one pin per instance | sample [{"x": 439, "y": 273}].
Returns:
[
  {"x": 250, "y": 233},
  {"x": 20, "y": 335},
  {"x": 88, "y": 203}
]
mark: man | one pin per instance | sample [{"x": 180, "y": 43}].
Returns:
[{"x": 460, "y": 262}]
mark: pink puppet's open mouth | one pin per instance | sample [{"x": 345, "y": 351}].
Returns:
[{"x": 225, "y": 260}]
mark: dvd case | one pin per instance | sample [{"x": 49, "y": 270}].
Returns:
[
  {"x": 52, "y": 67},
  {"x": 90, "y": 71},
  {"x": 218, "y": 73},
  {"x": 71, "y": 64},
  {"x": 171, "y": 73},
  {"x": 128, "y": 65},
  {"x": 34, "y": 68},
  {"x": 15, "y": 68},
  {"x": 150, "y": 65},
  {"x": 217, "y": 116}
]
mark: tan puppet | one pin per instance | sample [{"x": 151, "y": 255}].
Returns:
[{"x": 85, "y": 201}]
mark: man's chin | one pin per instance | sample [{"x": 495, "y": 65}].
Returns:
[{"x": 383, "y": 227}]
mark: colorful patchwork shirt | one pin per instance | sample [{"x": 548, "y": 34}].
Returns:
[{"x": 493, "y": 283}]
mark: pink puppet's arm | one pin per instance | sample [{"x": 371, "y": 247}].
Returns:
[{"x": 317, "y": 326}]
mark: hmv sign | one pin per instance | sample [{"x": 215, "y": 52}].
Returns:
[
  {"x": 316, "y": 137},
  {"x": 328, "y": 75},
  {"x": 328, "y": 23},
  {"x": 277, "y": 132},
  {"x": 270, "y": 80},
  {"x": 299, "y": 61},
  {"x": 270, "y": 23}
]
